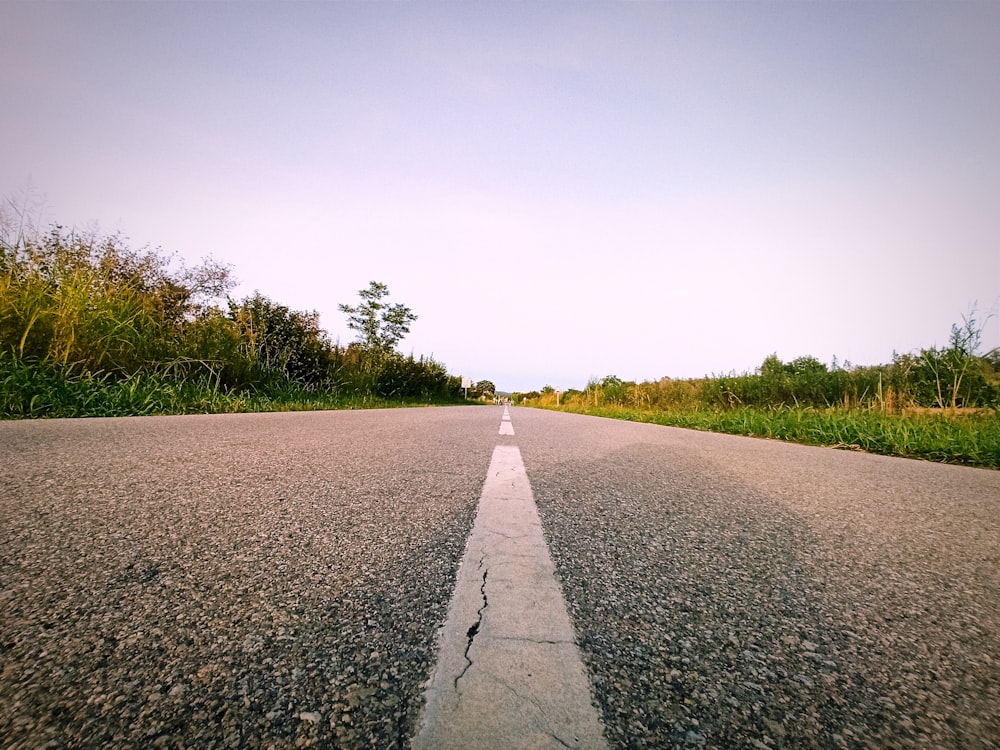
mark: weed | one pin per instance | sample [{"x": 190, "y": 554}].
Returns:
[{"x": 972, "y": 439}]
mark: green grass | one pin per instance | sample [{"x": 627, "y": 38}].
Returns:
[
  {"x": 39, "y": 389},
  {"x": 89, "y": 326},
  {"x": 968, "y": 439}
]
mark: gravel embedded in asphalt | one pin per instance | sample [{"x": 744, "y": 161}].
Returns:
[
  {"x": 730, "y": 592},
  {"x": 229, "y": 581},
  {"x": 277, "y": 581}
]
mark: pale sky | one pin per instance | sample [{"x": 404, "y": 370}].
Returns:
[{"x": 558, "y": 190}]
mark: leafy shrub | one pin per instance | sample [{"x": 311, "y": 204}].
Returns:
[{"x": 90, "y": 326}]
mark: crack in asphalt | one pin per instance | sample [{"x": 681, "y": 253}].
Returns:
[
  {"x": 512, "y": 537},
  {"x": 542, "y": 641},
  {"x": 541, "y": 712},
  {"x": 474, "y": 628}
]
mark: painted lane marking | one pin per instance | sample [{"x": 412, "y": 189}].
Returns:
[
  {"x": 509, "y": 674},
  {"x": 506, "y": 428}
]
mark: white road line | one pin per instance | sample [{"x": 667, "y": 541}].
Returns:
[
  {"x": 509, "y": 674},
  {"x": 506, "y": 428}
]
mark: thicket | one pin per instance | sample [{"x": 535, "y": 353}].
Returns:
[
  {"x": 971, "y": 438},
  {"x": 946, "y": 378},
  {"x": 90, "y": 326},
  {"x": 940, "y": 403}
]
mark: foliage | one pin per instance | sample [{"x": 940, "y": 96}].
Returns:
[
  {"x": 483, "y": 389},
  {"x": 972, "y": 439},
  {"x": 956, "y": 365},
  {"x": 94, "y": 304},
  {"x": 34, "y": 389},
  {"x": 937, "y": 403},
  {"x": 949, "y": 378},
  {"x": 89, "y": 326},
  {"x": 283, "y": 343},
  {"x": 406, "y": 377},
  {"x": 380, "y": 326}
]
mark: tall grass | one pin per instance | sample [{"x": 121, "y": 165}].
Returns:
[
  {"x": 89, "y": 326},
  {"x": 940, "y": 405},
  {"x": 911, "y": 380},
  {"x": 969, "y": 438},
  {"x": 36, "y": 389}
]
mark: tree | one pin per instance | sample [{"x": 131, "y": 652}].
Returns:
[
  {"x": 808, "y": 366},
  {"x": 380, "y": 326},
  {"x": 772, "y": 367},
  {"x": 485, "y": 388},
  {"x": 951, "y": 365}
]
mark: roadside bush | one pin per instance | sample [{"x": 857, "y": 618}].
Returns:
[
  {"x": 281, "y": 344},
  {"x": 932, "y": 378},
  {"x": 90, "y": 326},
  {"x": 406, "y": 377}
]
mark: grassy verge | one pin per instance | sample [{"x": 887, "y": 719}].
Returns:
[
  {"x": 33, "y": 390},
  {"x": 969, "y": 439}
]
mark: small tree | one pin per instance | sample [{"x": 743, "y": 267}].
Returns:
[
  {"x": 485, "y": 389},
  {"x": 951, "y": 365},
  {"x": 380, "y": 326}
]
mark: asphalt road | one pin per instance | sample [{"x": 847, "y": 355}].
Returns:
[{"x": 277, "y": 581}]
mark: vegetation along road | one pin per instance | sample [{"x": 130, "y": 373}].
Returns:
[{"x": 279, "y": 580}]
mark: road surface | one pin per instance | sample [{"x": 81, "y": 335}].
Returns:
[{"x": 279, "y": 580}]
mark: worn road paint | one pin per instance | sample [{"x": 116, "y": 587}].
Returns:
[{"x": 509, "y": 674}]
